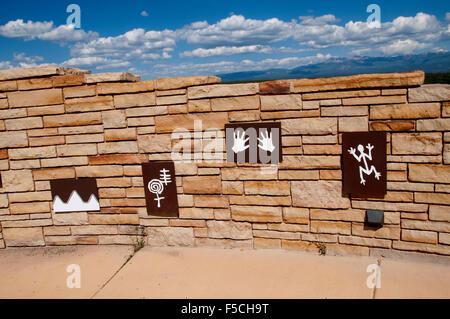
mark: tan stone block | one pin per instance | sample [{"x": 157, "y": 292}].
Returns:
[
  {"x": 72, "y": 119},
  {"x": 324, "y": 139},
  {"x": 439, "y": 213},
  {"x": 322, "y": 149},
  {"x": 219, "y": 90},
  {"x": 171, "y": 99},
  {"x": 118, "y": 88},
  {"x": 134, "y": 100},
  {"x": 24, "y": 164},
  {"x": 375, "y": 100},
  {"x": 79, "y": 91},
  {"x": 112, "y": 77},
  {"x": 339, "y": 94},
  {"x": 199, "y": 105},
  {"x": 256, "y": 214},
  {"x": 311, "y": 105},
  {"x": 66, "y": 161},
  {"x": 114, "y": 182},
  {"x": 24, "y": 123},
  {"x": 117, "y": 147},
  {"x": 171, "y": 92},
  {"x": 54, "y": 173},
  {"x": 16, "y": 237},
  {"x": 120, "y": 134},
  {"x": 349, "y": 215},
  {"x": 248, "y": 173},
  {"x": 310, "y": 162},
  {"x": 8, "y": 86},
  {"x": 320, "y": 238},
  {"x": 429, "y": 93},
  {"x": 417, "y": 143},
  {"x": 34, "y": 84},
  {"x": 429, "y": 173},
  {"x": 387, "y": 231},
  {"x": 341, "y": 228},
  {"x": 168, "y": 123},
  {"x": 45, "y": 110},
  {"x": 196, "y": 213},
  {"x": 289, "y": 114},
  {"x": 235, "y": 103},
  {"x": 299, "y": 245},
  {"x": 177, "y": 109},
  {"x": 79, "y": 130},
  {"x": 261, "y": 200},
  {"x": 353, "y": 124},
  {"x": 267, "y": 187},
  {"x": 330, "y": 174},
  {"x": 142, "y": 121},
  {"x": 187, "y": 223},
  {"x": 434, "y": 125},
  {"x": 344, "y": 111},
  {"x": 202, "y": 185},
  {"x": 275, "y": 234},
  {"x": 13, "y": 113},
  {"x": 360, "y": 81},
  {"x": 113, "y": 219},
  {"x": 432, "y": 198},
  {"x": 392, "y": 126},
  {"x": 427, "y": 248},
  {"x": 29, "y": 208},
  {"x": 244, "y": 116},
  {"x": 361, "y": 241},
  {"x": 446, "y": 109},
  {"x": 313, "y": 126},
  {"x": 89, "y": 104},
  {"x": 394, "y": 207},
  {"x": 318, "y": 194},
  {"x": 213, "y": 201},
  {"x": 35, "y": 98},
  {"x": 330, "y": 102},
  {"x": 56, "y": 230},
  {"x": 394, "y": 92},
  {"x": 182, "y": 82},
  {"x": 281, "y": 102},
  {"x": 446, "y": 158},
  {"x": 85, "y": 138},
  {"x": 405, "y": 111},
  {"x": 154, "y": 143},
  {"x": 170, "y": 236},
  {"x": 229, "y": 229},
  {"x": 99, "y": 171},
  {"x": 68, "y": 80},
  {"x": 266, "y": 243},
  {"x": 94, "y": 230},
  {"x": 70, "y": 219},
  {"x": 77, "y": 149},
  {"x": 46, "y": 140},
  {"x": 146, "y": 111},
  {"x": 420, "y": 236},
  {"x": 34, "y": 152},
  {"x": 295, "y": 215},
  {"x": 29, "y": 197},
  {"x": 425, "y": 225}
]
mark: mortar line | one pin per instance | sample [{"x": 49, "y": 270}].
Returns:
[{"x": 114, "y": 274}]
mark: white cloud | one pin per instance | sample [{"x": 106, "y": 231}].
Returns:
[
  {"x": 402, "y": 47},
  {"x": 224, "y": 50},
  {"x": 44, "y": 31},
  {"x": 144, "y": 13},
  {"x": 97, "y": 62},
  {"x": 447, "y": 17}
]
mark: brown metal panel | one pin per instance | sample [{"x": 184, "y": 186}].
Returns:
[
  {"x": 65, "y": 188},
  {"x": 160, "y": 188},
  {"x": 251, "y": 136},
  {"x": 364, "y": 164}
]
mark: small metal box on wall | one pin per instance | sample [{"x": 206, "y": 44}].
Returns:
[
  {"x": 160, "y": 188},
  {"x": 364, "y": 164}
]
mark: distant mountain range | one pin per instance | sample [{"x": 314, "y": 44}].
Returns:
[{"x": 427, "y": 62}]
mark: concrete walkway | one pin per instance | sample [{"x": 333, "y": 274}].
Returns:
[{"x": 115, "y": 272}]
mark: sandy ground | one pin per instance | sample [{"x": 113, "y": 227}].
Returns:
[{"x": 115, "y": 272}]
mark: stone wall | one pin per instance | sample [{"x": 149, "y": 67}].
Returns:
[{"x": 66, "y": 123}]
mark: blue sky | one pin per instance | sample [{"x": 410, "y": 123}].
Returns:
[{"x": 176, "y": 38}]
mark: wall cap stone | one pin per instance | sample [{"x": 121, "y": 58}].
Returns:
[{"x": 14, "y": 74}]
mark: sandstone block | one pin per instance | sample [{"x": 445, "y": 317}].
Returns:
[
  {"x": 275, "y": 87},
  {"x": 170, "y": 236},
  {"x": 24, "y": 123},
  {"x": 318, "y": 194},
  {"x": 134, "y": 100},
  {"x": 199, "y": 105},
  {"x": 171, "y": 99},
  {"x": 119, "y": 88},
  {"x": 429, "y": 173},
  {"x": 167, "y": 124},
  {"x": 248, "y": 173},
  {"x": 310, "y": 162},
  {"x": 118, "y": 147},
  {"x": 68, "y": 80},
  {"x": 17, "y": 237},
  {"x": 327, "y": 227},
  {"x": 46, "y": 110},
  {"x": 296, "y": 215},
  {"x": 72, "y": 119},
  {"x": 229, "y": 229},
  {"x": 77, "y": 149},
  {"x": 405, "y": 111},
  {"x": 235, "y": 103},
  {"x": 353, "y": 124},
  {"x": 53, "y": 173},
  {"x": 267, "y": 187},
  {"x": 420, "y": 236},
  {"x": 417, "y": 143},
  {"x": 220, "y": 90},
  {"x": 112, "y": 77},
  {"x": 213, "y": 201},
  {"x": 281, "y": 102},
  {"x": 34, "y": 84},
  {"x": 202, "y": 185},
  {"x": 183, "y": 82},
  {"x": 155, "y": 143},
  {"x": 434, "y": 125},
  {"x": 79, "y": 91},
  {"x": 29, "y": 208},
  {"x": 35, "y": 98},
  {"x": 34, "y": 152},
  {"x": 392, "y": 126},
  {"x": 313, "y": 126},
  {"x": 259, "y": 214},
  {"x": 9, "y": 139},
  {"x": 89, "y": 104},
  {"x": 17, "y": 181},
  {"x": 429, "y": 93},
  {"x": 99, "y": 171},
  {"x": 232, "y": 188}
]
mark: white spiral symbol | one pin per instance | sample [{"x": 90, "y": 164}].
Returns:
[{"x": 155, "y": 186}]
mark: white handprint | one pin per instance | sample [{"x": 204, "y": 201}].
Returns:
[
  {"x": 266, "y": 142},
  {"x": 239, "y": 142}
]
